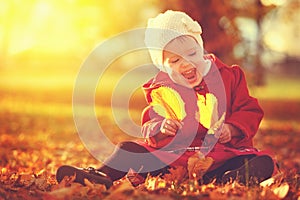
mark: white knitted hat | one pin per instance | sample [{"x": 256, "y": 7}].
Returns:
[{"x": 166, "y": 27}]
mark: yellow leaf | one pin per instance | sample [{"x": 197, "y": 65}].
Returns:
[
  {"x": 267, "y": 182},
  {"x": 218, "y": 125},
  {"x": 168, "y": 103},
  {"x": 282, "y": 190},
  {"x": 88, "y": 183},
  {"x": 208, "y": 109},
  {"x": 155, "y": 183}
]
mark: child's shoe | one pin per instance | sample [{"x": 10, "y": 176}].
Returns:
[
  {"x": 252, "y": 172},
  {"x": 90, "y": 174}
]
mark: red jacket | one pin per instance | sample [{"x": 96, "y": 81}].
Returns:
[{"x": 228, "y": 85}]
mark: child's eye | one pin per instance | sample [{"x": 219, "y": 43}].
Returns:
[
  {"x": 193, "y": 53},
  {"x": 174, "y": 61}
]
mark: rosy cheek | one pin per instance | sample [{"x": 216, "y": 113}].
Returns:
[{"x": 198, "y": 63}]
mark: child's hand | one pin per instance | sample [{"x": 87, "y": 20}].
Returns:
[
  {"x": 225, "y": 135},
  {"x": 169, "y": 127},
  {"x": 227, "y": 132}
]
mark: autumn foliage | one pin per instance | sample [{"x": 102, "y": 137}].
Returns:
[{"x": 34, "y": 144}]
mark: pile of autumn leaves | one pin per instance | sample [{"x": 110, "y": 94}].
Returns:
[
  {"x": 179, "y": 184},
  {"x": 28, "y": 165}
]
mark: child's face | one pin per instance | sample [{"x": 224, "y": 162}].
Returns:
[{"x": 185, "y": 56}]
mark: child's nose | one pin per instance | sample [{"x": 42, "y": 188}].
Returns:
[{"x": 185, "y": 63}]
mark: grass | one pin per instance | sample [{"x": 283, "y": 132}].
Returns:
[{"x": 278, "y": 88}]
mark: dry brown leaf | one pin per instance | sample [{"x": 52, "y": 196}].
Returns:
[
  {"x": 134, "y": 178},
  {"x": 41, "y": 183},
  {"x": 198, "y": 164},
  {"x": 177, "y": 174},
  {"x": 63, "y": 193},
  {"x": 121, "y": 191},
  {"x": 25, "y": 180},
  {"x": 65, "y": 182}
]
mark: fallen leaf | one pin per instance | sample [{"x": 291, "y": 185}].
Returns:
[
  {"x": 134, "y": 178},
  {"x": 88, "y": 183},
  {"x": 270, "y": 181},
  {"x": 65, "y": 182},
  {"x": 177, "y": 174},
  {"x": 155, "y": 183},
  {"x": 63, "y": 193},
  {"x": 25, "y": 180},
  {"x": 121, "y": 191},
  {"x": 282, "y": 190},
  {"x": 198, "y": 164},
  {"x": 41, "y": 183}
]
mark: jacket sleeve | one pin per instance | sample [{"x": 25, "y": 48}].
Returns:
[
  {"x": 151, "y": 123},
  {"x": 246, "y": 114}
]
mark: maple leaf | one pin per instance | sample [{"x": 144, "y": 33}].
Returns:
[
  {"x": 198, "y": 164},
  {"x": 177, "y": 174}
]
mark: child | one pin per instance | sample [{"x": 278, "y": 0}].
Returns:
[{"x": 196, "y": 103}]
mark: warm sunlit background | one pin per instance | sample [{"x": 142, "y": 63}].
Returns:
[{"x": 44, "y": 42}]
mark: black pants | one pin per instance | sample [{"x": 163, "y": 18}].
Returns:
[
  {"x": 121, "y": 157},
  {"x": 231, "y": 164}
]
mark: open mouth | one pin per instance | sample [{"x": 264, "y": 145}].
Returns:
[{"x": 190, "y": 74}]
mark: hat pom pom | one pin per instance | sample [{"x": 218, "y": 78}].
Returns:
[{"x": 192, "y": 26}]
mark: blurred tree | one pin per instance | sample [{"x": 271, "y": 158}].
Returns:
[{"x": 255, "y": 10}]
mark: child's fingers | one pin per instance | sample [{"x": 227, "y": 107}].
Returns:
[
  {"x": 174, "y": 123},
  {"x": 223, "y": 135},
  {"x": 168, "y": 132},
  {"x": 225, "y": 140},
  {"x": 178, "y": 124},
  {"x": 170, "y": 127}
]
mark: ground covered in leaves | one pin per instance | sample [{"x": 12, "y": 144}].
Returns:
[{"x": 37, "y": 135}]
